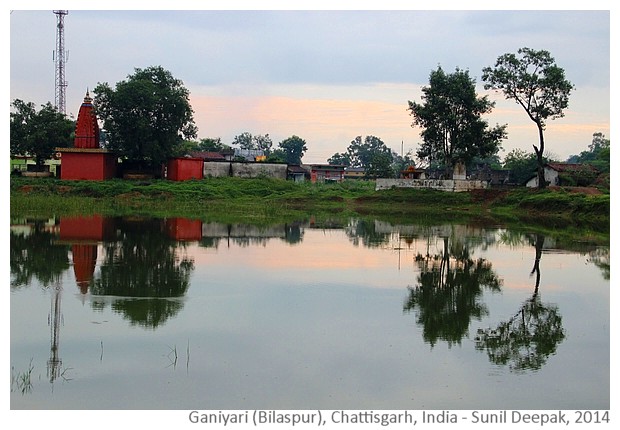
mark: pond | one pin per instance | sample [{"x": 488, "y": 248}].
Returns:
[{"x": 145, "y": 313}]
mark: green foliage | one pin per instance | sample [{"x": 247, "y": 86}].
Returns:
[
  {"x": 339, "y": 159},
  {"x": 294, "y": 148},
  {"x": 146, "y": 117},
  {"x": 451, "y": 120},
  {"x": 522, "y": 165},
  {"x": 256, "y": 200},
  {"x": 38, "y": 133},
  {"x": 371, "y": 154},
  {"x": 211, "y": 144},
  {"x": 247, "y": 141},
  {"x": 597, "y": 155}
]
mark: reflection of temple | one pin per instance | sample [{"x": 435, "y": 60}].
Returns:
[
  {"x": 86, "y": 160},
  {"x": 84, "y": 234}
]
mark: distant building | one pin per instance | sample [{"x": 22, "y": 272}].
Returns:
[
  {"x": 326, "y": 173},
  {"x": 297, "y": 173},
  {"x": 412, "y": 172},
  {"x": 354, "y": 173},
  {"x": 565, "y": 174}
]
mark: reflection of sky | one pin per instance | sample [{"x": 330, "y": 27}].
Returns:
[{"x": 317, "y": 324}]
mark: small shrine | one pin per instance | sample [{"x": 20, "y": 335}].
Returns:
[{"x": 87, "y": 160}]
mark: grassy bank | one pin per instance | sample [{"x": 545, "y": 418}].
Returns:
[{"x": 253, "y": 200}]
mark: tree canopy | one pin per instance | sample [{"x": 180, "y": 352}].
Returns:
[
  {"x": 598, "y": 154},
  {"x": 293, "y": 148},
  {"x": 533, "y": 80},
  {"x": 38, "y": 133},
  {"x": 451, "y": 120},
  {"x": 146, "y": 117},
  {"x": 371, "y": 154}
]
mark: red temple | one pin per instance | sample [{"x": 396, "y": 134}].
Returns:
[{"x": 86, "y": 160}]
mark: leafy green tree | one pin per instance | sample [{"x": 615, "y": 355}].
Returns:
[
  {"x": 401, "y": 162},
  {"x": 244, "y": 141},
  {"x": 294, "y": 148},
  {"x": 450, "y": 117},
  {"x": 339, "y": 159},
  {"x": 212, "y": 144},
  {"x": 147, "y": 117},
  {"x": 38, "y": 134},
  {"x": 247, "y": 141},
  {"x": 533, "y": 80},
  {"x": 522, "y": 165},
  {"x": 263, "y": 142},
  {"x": 597, "y": 155}
]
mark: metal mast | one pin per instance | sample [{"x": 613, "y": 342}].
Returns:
[{"x": 60, "y": 58}]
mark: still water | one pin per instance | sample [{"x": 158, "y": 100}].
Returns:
[{"x": 133, "y": 313}]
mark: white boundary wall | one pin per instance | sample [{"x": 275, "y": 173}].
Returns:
[{"x": 454, "y": 185}]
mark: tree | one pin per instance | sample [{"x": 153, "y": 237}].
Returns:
[
  {"x": 522, "y": 165},
  {"x": 597, "y": 155},
  {"x": 260, "y": 142},
  {"x": 38, "y": 134},
  {"x": 147, "y": 117},
  {"x": 339, "y": 159},
  {"x": 450, "y": 117},
  {"x": 533, "y": 80},
  {"x": 294, "y": 148},
  {"x": 263, "y": 143},
  {"x": 212, "y": 144},
  {"x": 244, "y": 141}
]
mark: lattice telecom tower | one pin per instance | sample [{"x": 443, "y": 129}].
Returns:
[{"x": 60, "y": 58}]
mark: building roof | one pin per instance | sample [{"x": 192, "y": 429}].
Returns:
[
  {"x": 571, "y": 167},
  {"x": 207, "y": 155}
]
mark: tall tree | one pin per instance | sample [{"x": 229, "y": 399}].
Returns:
[
  {"x": 294, "y": 148},
  {"x": 339, "y": 159},
  {"x": 38, "y": 133},
  {"x": 533, "y": 80},
  {"x": 372, "y": 154},
  {"x": 244, "y": 141},
  {"x": 212, "y": 144},
  {"x": 450, "y": 117},
  {"x": 147, "y": 117}
]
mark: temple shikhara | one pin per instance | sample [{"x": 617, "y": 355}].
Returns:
[{"x": 86, "y": 160}]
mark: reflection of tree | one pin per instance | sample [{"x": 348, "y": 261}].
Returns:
[
  {"x": 35, "y": 255},
  {"x": 600, "y": 258},
  {"x": 143, "y": 265},
  {"x": 364, "y": 232},
  {"x": 449, "y": 288},
  {"x": 526, "y": 340}
]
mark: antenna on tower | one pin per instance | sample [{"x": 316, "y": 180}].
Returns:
[{"x": 60, "y": 58}]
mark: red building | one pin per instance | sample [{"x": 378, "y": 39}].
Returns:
[
  {"x": 84, "y": 234},
  {"x": 326, "y": 172},
  {"x": 182, "y": 168},
  {"x": 86, "y": 160}
]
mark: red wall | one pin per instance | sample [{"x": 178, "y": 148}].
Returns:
[
  {"x": 85, "y": 228},
  {"x": 90, "y": 166},
  {"x": 182, "y": 169},
  {"x": 184, "y": 229}
]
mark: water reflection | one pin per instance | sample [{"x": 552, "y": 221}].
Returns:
[
  {"x": 449, "y": 284},
  {"x": 448, "y": 292},
  {"x": 145, "y": 268},
  {"x": 530, "y": 336}
]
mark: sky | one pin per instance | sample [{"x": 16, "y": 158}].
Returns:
[{"x": 323, "y": 74}]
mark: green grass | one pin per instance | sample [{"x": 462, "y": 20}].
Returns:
[{"x": 263, "y": 199}]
